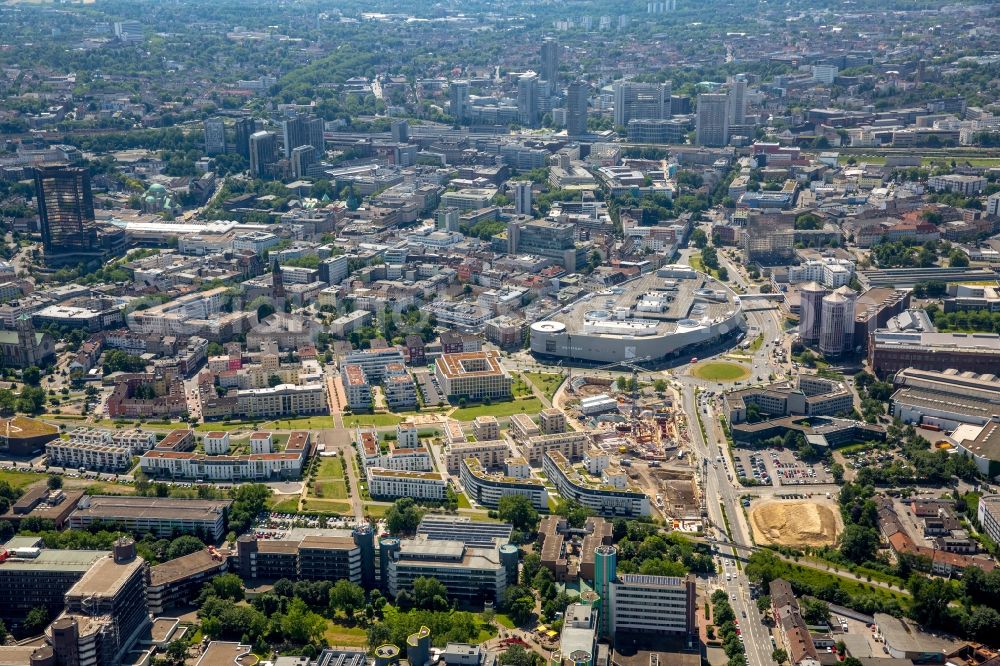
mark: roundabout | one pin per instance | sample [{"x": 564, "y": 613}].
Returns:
[{"x": 720, "y": 371}]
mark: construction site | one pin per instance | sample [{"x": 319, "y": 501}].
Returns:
[{"x": 646, "y": 433}]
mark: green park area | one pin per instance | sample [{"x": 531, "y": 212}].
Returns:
[
  {"x": 720, "y": 371},
  {"x": 19, "y": 479},
  {"x": 546, "y": 382},
  {"x": 498, "y": 409},
  {"x": 377, "y": 420},
  {"x": 330, "y": 482}
]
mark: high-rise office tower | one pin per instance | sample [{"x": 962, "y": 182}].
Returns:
[
  {"x": 811, "y": 297},
  {"x": 712, "y": 125},
  {"x": 641, "y": 101},
  {"x": 522, "y": 196},
  {"x": 527, "y": 99},
  {"x": 605, "y": 573},
  {"x": 576, "y": 108},
  {"x": 314, "y": 130},
  {"x": 245, "y": 127},
  {"x": 303, "y": 157},
  {"x": 550, "y": 59},
  {"x": 263, "y": 153},
  {"x": 294, "y": 133},
  {"x": 400, "y": 131},
  {"x": 215, "y": 136},
  {"x": 837, "y": 322},
  {"x": 737, "y": 100},
  {"x": 65, "y": 209},
  {"x": 459, "y": 93}
]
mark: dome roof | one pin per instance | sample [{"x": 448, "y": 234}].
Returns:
[{"x": 156, "y": 188}]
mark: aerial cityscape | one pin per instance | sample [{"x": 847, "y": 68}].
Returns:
[{"x": 523, "y": 333}]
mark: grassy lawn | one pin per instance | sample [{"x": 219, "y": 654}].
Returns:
[
  {"x": 547, "y": 382},
  {"x": 107, "y": 488},
  {"x": 289, "y": 505},
  {"x": 498, "y": 409},
  {"x": 757, "y": 343},
  {"x": 221, "y": 425},
  {"x": 313, "y": 505},
  {"x": 356, "y": 420},
  {"x": 720, "y": 371},
  {"x": 305, "y": 423},
  {"x": 376, "y": 510},
  {"x": 330, "y": 482},
  {"x": 504, "y": 621},
  {"x": 863, "y": 572},
  {"x": 463, "y": 501},
  {"x": 519, "y": 387},
  {"x": 816, "y": 579},
  {"x": 20, "y": 479},
  {"x": 344, "y": 636}
]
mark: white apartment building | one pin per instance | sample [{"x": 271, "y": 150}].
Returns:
[
  {"x": 261, "y": 442},
  {"x": 373, "y": 361},
  {"x": 216, "y": 443},
  {"x": 486, "y": 428},
  {"x": 488, "y": 453},
  {"x": 829, "y": 272},
  {"x": 282, "y": 400},
  {"x": 255, "y": 241},
  {"x": 356, "y": 386},
  {"x": 473, "y": 375},
  {"x": 75, "y": 454},
  {"x": 960, "y": 184},
  {"x": 399, "y": 483},
  {"x": 572, "y": 445},
  {"x": 989, "y": 516}
]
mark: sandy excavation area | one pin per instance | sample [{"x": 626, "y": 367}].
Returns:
[{"x": 796, "y": 523}]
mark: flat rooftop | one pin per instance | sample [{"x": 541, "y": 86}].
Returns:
[
  {"x": 70, "y": 561},
  {"x": 220, "y": 653},
  {"x": 105, "y": 577},
  {"x": 163, "y": 508},
  {"x": 187, "y": 565},
  {"x": 684, "y": 302}
]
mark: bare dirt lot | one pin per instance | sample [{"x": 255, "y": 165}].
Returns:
[{"x": 797, "y": 523}]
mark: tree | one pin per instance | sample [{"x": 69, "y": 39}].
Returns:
[
  {"x": 177, "y": 651},
  {"x": 779, "y": 655},
  {"x": 228, "y": 586},
  {"x": 516, "y": 655},
  {"x": 660, "y": 386},
  {"x": 958, "y": 259},
  {"x": 31, "y": 375},
  {"x": 403, "y": 516},
  {"x": 346, "y": 596},
  {"x": 518, "y": 603},
  {"x": 300, "y": 625},
  {"x": 184, "y": 545},
  {"x": 3, "y": 633},
  {"x": 54, "y": 482},
  {"x": 519, "y": 512},
  {"x": 35, "y": 621},
  {"x": 430, "y": 594},
  {"x": 858, "y": 543},
  {"x": 814, "y": 611},
  {"x": 699, "y": 238},
  {"x": 931, "y": 597}
]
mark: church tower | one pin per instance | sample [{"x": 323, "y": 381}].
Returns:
[{"x": 26, "y": 341}]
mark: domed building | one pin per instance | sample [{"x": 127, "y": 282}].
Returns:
[{"x": 158, "y": 199}]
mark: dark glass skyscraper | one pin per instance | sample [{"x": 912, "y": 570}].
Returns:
[{"x": 65, "y": 209}]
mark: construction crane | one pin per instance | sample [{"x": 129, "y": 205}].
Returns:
[{"x": 636, "y": 369}]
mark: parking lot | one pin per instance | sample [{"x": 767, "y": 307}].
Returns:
[
  {"x": 433, "y": 395},
  {"x": 781, "y": 465},
  {"x": 274, "y": 525},
  {"x": 750, "y": 465}
]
